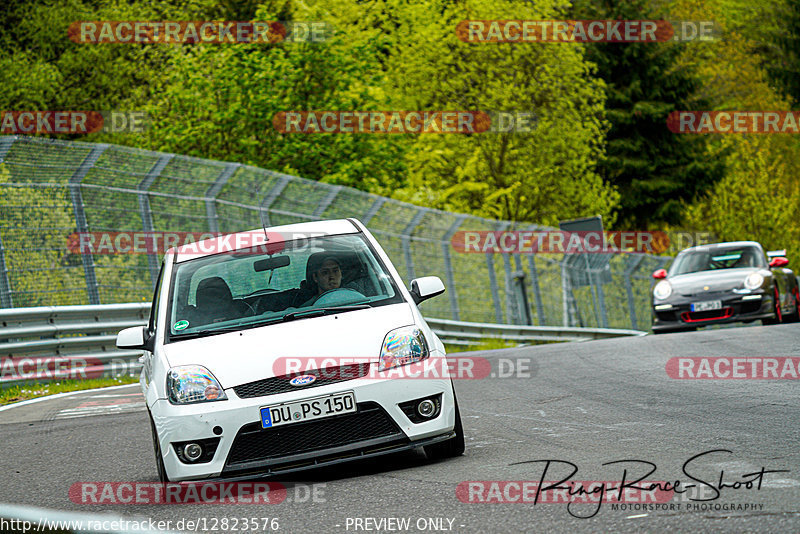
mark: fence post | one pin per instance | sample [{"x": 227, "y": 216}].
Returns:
[
  {"x": 498, "y": 309},
  {"x": 212, "y": 192},
  {"x": 147, "y": 215},
  {"x": 406, "y": 239},
  {"x": 323, "y": 205},
  {"x": 373, "y": 210},
  {"x": 537, "y": 294},
  {"x": 521, "y": 288},
  {"x": 81, "y": 224},
  {"x": 448, "y": 266},
  {"x": 632, "y": 266},
  {"x": 5, "y": 285},
  {"x": 601, "y": 300}
]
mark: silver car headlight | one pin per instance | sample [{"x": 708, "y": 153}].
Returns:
[
  {"x": 403, "y": 346},
  {"x": 753, "y": 281},
  {"x": 189, "y": 384},
  {"x": 662, "y": 290}
]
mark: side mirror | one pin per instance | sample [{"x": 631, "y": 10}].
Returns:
[
  {"x": 779, "y": 262},
  {"x": 133, "y": 338},
  {"x": 426, "y": 287},
  {"x": 660, "y": 274}
]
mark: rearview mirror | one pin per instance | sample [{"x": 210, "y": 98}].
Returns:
[
  {"x": 426, "y": 287},
  {"x": 268, "y": 264},
  {"x": 779, "y": 262},
  {"x": 133, "y": 338},
  {"x": 660, "y": 274}
]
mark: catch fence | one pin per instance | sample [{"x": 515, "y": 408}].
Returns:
[{"x": 53, "y": 189}]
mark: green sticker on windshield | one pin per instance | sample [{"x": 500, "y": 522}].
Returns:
[{"x": 180, "y": 325}]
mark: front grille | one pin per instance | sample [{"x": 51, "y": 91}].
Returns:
[
  {"x": 254, "y": 443},
  {"x": 709, "y": 315},
  {"x": 280, "y": 384}
]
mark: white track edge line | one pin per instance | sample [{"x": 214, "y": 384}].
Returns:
[{"x": 59, "y": 395}]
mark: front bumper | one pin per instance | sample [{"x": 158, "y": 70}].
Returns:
[
  {"x": 245, "y": 450},
  {"x": 735, "y": 308}
]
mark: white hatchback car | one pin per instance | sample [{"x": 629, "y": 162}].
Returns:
[{"x": 289, "y": 348}]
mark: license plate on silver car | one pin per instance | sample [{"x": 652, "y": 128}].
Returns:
[
  {"x": 706, "y": 306},
  {"x": 307, "y": 409}
]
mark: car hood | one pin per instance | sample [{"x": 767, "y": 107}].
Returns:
[
  {"x": 719, "y": 280},
  {"x": 240, "y": 357}
]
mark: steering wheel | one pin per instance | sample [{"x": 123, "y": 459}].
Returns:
[{"x": 337, "y": 296}]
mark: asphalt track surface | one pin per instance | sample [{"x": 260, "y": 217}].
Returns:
[{"x": 587, "y": 403}]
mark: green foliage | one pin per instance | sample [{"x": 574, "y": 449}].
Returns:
[{"x": 34, "y": 225}]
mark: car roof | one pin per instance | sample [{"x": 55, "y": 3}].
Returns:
[
  {"x": 250, "y": 238},
  {"x": 727, "y": 244}
]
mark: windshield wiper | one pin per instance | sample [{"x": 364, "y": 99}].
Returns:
[
  {"x": 203, "y": 333},
  {"x": 317, "y": 312}
]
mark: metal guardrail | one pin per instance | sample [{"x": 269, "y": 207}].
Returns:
[
  {"x": 460, "y": 333},
  {"x": 52, "y": 342}
]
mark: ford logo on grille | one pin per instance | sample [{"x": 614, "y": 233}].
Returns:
[{"x": 303, "y": 380}]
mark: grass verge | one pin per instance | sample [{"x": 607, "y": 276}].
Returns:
[{"x": 31, "y": 390}]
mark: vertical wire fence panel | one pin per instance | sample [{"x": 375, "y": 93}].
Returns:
[{"x": 52, "y": 192}]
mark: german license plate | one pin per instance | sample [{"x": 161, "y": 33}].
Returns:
[
  {"x": 707, "y": 305},
  {"x": 308, "y": 409}
]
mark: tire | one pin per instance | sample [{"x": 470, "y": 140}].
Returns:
[
  {"x": 795, "y": 317},
  {"x": 778, "y": 319},
  {"x": 162, "y": 471},
  {"x": 452, "y": 447}
]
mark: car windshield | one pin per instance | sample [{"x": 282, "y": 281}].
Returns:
[
  {"x": 293, "y": 280},
  {"x": 714, "y": 259}
]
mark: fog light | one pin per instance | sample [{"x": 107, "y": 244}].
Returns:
[
  {"x": 192, "y": 451},
  {"x": 426, "y": 408}
]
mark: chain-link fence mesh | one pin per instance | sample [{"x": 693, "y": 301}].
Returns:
[{"x": 52, "y": 189}]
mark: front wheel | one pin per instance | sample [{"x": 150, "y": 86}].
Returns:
[
  {"x": 452, "y": 447},
  {"x": 162, "y": 471},
  {"x": 778, "y": 318}
]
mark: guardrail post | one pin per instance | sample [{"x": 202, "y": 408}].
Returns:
[
  {"x": 323, "y": 205},
  {"x": 81, "y": 224},
  {"x": 632, "y": 266},
  {"x": 213, "y": 191},
  {"x": 406, "y": 239},
  {"x": 5, "y": 285},
  {"x": 448, "y": 265},
  {"x": 272, "y": 196},
  {"x": 147, "y": 215}
]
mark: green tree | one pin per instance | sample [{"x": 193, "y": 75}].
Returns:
[{"x": 656, "y": 171}]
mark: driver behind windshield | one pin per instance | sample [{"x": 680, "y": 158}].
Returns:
[{"x": 328, "y": 276}]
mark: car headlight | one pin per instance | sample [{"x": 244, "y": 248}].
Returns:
[
  {"x": 189, "y": 384},
  {"x": 753, "y": 281},
  {"x": 662, "y": 290},
  {"x": 403, "y": 346}
]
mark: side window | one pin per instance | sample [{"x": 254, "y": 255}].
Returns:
[{"x": 151, "y": 327}]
